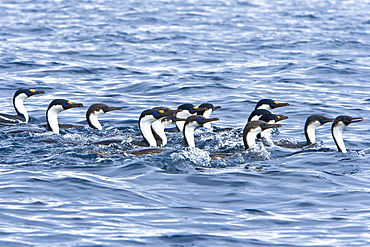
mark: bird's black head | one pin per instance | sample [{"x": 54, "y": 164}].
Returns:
[
  {"x": 259, "y": 112},
  {"x": 200, "y": 120},
  {"x": 66, "y": 104},
  {"x": 27, "y": 92},
  {"x": 268, "y": 117},
  {"x": 324, "y": 120},
  {"x": 101, "y": 107},
  {"x": 189, "y": 107},
  {"x": 347, "y": 120},
  {"x": 106, "y": 108},
  {"x": 166, "y": 109},
  {"x": 270, "y": 103},
  {"x": 156, "y": 113},
  {"x": 209, "y": 106}
]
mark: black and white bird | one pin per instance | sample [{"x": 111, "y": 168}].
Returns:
[
  {"x": 191, "y": 123},
  {"x": 339, "y": 124},
  {"x": 55, "y": 107},
  {"x": 312, "y": 123},
  {"x": 18, "y": 102},
  {"x": 206, "y": 111},
  {"x": 252, "y": 129},
  {"x": 95, "y": 111}
]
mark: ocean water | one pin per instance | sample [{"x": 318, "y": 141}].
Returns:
[{"x": 66, "y": 190}]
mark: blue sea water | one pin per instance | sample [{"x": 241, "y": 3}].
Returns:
[{"x": 57, "y": 191}]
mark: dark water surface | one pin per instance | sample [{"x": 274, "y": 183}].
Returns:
[{"x": 140, "y": 54}]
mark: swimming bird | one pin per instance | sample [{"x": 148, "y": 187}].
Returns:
[
  {"x": 55, "y": 107},
  {"x": 252, "y": 129},
  {"x": 208, "y": 109},
  {"x": 312, "y": 123},
  {"x": 147, "y": 118},
  {"x": 95, "y": 111},
  {"x": 190, "y": 124},
  {"x": 187, "y": 110},
  {"x": 339, "y": 124},
  {"x": 18, "y": 103},
  {"x": 269, "y": 104}
]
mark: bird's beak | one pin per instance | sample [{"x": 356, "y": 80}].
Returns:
[
  {"x": 33, "y": 92},
  {"x": 107, "y": 109},
  {"x": 210, "y": 120},
  {"x": 354, "y": 120},
  {"x": 216, "y": 107},
  {"x": 328, "y": 120},
  {"x": 269, "y": 126},
  {"x": 277, "y": 104},
  {"x": 73, "y": 105}
]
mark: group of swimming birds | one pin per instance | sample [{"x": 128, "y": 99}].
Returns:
[{"x": 187, "y": 117}]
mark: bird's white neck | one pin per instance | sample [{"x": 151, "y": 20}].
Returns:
[
  {"x": 338, "y": 137},
  {"x": 94, "y": 119},
  {"x": 189, "y": 134},
  {"x": 19, "y": 106},
  {"x": 52, "y": 117},
  {"x": 145, "y": 127},
  {"x": 311, "y": 132},
  {"x": 251, "y": 137}
]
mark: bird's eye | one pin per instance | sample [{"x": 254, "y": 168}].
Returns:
[
  {"x": 64, "y": 104},
  {"x": 28, "y": 92},
  {"x": 262, "y": 125},
  {"x": 321, "y": 119},
  {"x": 104, "y": 108},
  {"x": 199, "y": 119},
  {"x": 155, "y": 114},
  {"x": 345, "y": 119}
]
